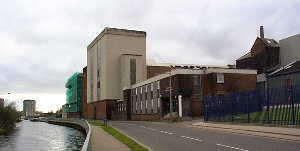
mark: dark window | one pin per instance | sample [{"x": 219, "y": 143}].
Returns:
[{"x": 132, "y": 71}]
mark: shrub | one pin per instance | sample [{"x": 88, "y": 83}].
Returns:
[{"x": 8, "y": 118}]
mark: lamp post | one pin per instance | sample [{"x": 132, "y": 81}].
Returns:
[{"x": 170, "y": 93}]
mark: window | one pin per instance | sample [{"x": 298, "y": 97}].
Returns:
[
  {"x": 158, "y": 102},
  {"x": 196, "y": 80},
  {"x": 146, "y": 87},
  {"x": 151, "y": 86},
  {"x": 220, "y": 77},
  {"x": 132, "y": 71},
  {"x": 152, "y": 103}
]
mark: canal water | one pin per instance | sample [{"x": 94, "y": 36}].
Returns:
[{"x": 40, "y": 136}]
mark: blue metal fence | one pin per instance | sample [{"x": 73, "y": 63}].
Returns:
[{"x": 280, "y": 106}]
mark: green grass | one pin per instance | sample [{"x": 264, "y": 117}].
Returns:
[
  {"x": 2, "y": 131},
  {"x": 121, "y": 137},
  {"x": 276, "y": 115}
]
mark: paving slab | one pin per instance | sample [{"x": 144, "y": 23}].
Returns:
[
  {"x": 274, "y": 132},
  {"x": 102, "y": 141}
]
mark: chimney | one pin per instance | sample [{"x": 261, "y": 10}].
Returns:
[{"x": 261, "y": 30}]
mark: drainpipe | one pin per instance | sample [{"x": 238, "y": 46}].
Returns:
[
  {"x": 180, "y": 105},
  {"x": 171, "y": 104}
]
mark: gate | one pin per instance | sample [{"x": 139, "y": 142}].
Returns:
[{"x": 277, "y": 106}]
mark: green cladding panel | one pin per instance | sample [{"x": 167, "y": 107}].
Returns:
[{"x": 74, "y": 93}]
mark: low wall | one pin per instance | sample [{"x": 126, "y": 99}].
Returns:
[
  {"x": 145, "y": 117},
  {"x": 81, "y": 125}
]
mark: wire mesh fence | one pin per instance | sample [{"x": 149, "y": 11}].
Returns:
[{"x": 278, "y": 106}]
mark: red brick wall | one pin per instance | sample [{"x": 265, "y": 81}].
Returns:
[
  {"x": 145, "y": 117},
  {"x": 197, "y": 108},
  {"x": 233, "y": 82},
  {"x": 100, "y": 110},
  {"x": 156, "y": 70}
]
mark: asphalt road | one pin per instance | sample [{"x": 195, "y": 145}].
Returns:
[{"x": 161, "y": 136}]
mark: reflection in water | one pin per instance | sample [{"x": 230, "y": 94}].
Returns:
[{"x": 40, "y": 136}]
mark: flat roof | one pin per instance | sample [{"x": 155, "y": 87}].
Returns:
[
  {"x": 193, "y": 71},
  {"x": 117, "y": 31}
]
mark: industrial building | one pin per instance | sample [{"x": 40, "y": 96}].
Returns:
[
  {"x": 263, "y": 56},
  {"x": 150, "y": 99},
  {"x": 269, "y": 56},
  {"x": 116, "y": 58},
  {"x": 73, "y": 106},
  {"x": 289, "y": 49},
  {"x": 117, "y": 83},
  {"x": 29, "y": 107}
]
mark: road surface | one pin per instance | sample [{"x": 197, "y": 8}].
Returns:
[{"x": 161, "y": 136}]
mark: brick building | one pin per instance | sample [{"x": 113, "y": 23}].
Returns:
[
  {"x": 150, "y": 99},
  {"x": 263, "y": 56}
]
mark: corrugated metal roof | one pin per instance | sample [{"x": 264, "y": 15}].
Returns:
[
  {"x": 270, "y": 42},
  {"x": 289, "y": 68}
]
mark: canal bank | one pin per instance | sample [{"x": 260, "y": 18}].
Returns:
[{"x": 81, "y": 125}]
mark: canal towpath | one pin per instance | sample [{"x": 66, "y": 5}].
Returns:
[{"x": 101, "y": 140}]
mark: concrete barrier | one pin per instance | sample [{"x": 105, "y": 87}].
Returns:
[{"x": 81, "y": 125}]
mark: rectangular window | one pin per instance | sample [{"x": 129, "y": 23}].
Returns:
[
  {"x": 132, "y": 71},
  {"x": 220, "y": 77},
  {"x": 151, "y": 86},
  {"x": 152, "y": 103},
  {"x": 158, "y": 102}
]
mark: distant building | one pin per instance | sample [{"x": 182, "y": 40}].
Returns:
[
  {"x": 1, "y": 102},
  {"x": 29, "y": 107},
  {"x": 73, "y": 106},
  {"x": 289, "y": 49}
]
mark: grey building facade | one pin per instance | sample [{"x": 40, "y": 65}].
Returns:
[{"x": 29, "y": 108}]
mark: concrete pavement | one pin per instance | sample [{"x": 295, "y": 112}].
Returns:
[
  {"x": 177, "y": 137},
  {"x": 102, "y": 141},
  {"x": 264, "y": 131}
]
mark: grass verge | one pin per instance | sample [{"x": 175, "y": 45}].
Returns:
[
  {"x": 2, "y": 131},
  {"x": 134, "y": 146}
]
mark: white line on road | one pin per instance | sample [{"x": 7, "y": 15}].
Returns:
[
  {"x": 166, "y": 132},
  {"x": 226, "y": 146},
  {"x": 195, "y": 139}
]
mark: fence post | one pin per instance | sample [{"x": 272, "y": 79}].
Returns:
[
  {"x": 293, "y": 107},
  {"x": 268, "y": 106},
  {"x": 232, "y": 107},
  {"x": 248, "y": 114}
]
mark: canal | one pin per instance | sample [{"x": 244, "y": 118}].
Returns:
[{"x": 40, "y": 136}]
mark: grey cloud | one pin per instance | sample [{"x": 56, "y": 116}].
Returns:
[{"x": 44, "y": 42}]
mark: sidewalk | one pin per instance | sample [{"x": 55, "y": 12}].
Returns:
[
  {"x": 102, "y": 141},
  {"x": 273, "y": 132}
]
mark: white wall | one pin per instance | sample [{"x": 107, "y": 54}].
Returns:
[
  {"x": 109, "y": 46},
  {"x": 289, "y": 49}
]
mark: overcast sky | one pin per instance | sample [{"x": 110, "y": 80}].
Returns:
[{"x": 42, "y": 42}]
